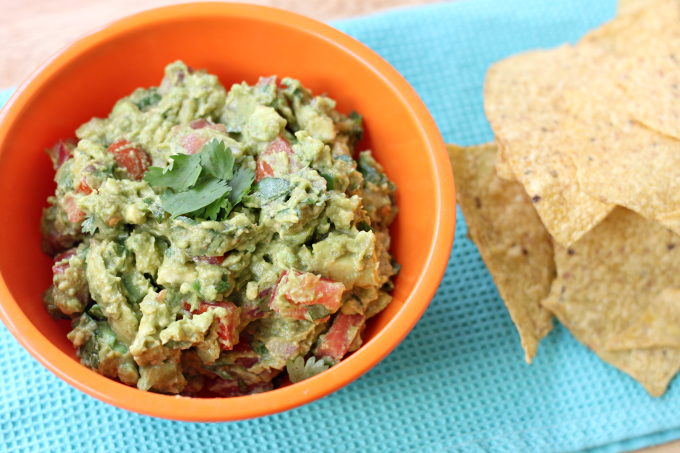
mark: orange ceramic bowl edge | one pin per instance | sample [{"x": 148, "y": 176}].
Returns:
[{"x": 423, "y": 283}]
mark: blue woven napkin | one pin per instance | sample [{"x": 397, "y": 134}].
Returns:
[{"x": 458, "y": 382}]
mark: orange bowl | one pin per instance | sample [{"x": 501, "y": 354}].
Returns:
[{"x": 236, "y": 42}]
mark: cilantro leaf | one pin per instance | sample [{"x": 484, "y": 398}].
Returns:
[
  {"x": 364, "y": 226},
  {"x": 217, "y": 160},
  {"x": 317, "y": 311},
  {"x": 272, "y": 187},
  {"x": 181, "y": 174},
  {"x": 220, "y": 370},
  {"x": 298, "y": 370},
  {"x": 195, "y": 198},
  {"x": 212, "y": 211},
  {"x": 240, "y": 185},
  {"x": 151, "y": 99},
  {"x": 88, "y": 225}
]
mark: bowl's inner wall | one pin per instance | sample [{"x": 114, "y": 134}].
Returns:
[{"x": 236, "y": 50}]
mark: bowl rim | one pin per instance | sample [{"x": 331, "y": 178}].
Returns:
[{"x": 282, "y": 399}]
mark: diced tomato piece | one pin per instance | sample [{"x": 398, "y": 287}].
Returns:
[
  {"x": 325, "y": 292},
  {"x": 228, "y": 324},
  {"x": 215, "y": 260},
  {"x": 84, "y": 188},
  {"x": 74, "y": 214},
  {"x": 131, "y": 157},
  {"x": 62, "y": 151},
  {"x": 264, "y": 170},
  {"x": 340, "y": 336},
  {"x": 279, "y": 145},
  {"x": 193, "y": 143},
  {"x": 200, "y": 123},
  {"x": 328, "y": 293},
  {"x": 59, "y": 267}
]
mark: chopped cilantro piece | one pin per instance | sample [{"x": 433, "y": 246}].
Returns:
[
  {"x": 259, "y": 348},
  {"x": 88, "y": 225},
  {"x": 369, "y": 172},
  {"x": 363, "y": 226},
  {"x": 396, "y": 267},
  {"x": 269, "y": 188},
  {"x": 151, "y": 99},
  {"x": 317, "y": 311},
  {"x": 223, "y": 285},
  {"x": 298, "y": 370},
  {"x": 345, "y": 157}
]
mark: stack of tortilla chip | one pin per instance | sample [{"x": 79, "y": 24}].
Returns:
[{"x": 576, "y": 206}]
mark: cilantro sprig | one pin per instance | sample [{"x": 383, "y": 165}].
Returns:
[
  {"x": 204, "y": 185},
  {"x": 298, "y": 370}
]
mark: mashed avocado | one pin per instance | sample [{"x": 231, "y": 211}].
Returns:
[{"x": 279, "y": 273}]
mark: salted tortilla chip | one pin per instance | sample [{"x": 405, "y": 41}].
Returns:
[
  {"x": 659, "y": 325},
  {"x": 651, "y": 78},
  {"x": 629, "y": 31},
  {"x": 618, "y": 160},
  {"x": 511, "y": 239},
  {"x": 503, "y": 169},
  {"x": 607, "y": 280},
  {"x": 630, "y": 6},
  {"x": 524, "y": 105}
]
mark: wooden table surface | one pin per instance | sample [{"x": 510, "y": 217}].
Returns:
[{"x": 32, "y": 30}]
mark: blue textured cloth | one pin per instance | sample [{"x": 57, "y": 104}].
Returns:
[{"x": 458, "y": 382}]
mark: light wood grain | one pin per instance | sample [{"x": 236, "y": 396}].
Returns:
[{"x": 32, "y": 30}]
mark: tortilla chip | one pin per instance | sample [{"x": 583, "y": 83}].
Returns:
[
  {"x": 524, "y": 105},
  {"x": 511, "y": 239},
  {"x": 606, "y": 282},
  {"x": 651, "y": 78},
  {"x": 659, "y": 325},
  {"x": 629, "y": 31},
  {"x": 630, "y": 6},
  {"x": 618, "y": 160},
  {"x": 503, "y": 169}
]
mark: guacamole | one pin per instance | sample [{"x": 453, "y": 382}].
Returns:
[{"x": 206, "y": 239}]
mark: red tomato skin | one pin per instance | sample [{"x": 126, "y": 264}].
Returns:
[
  {"x": 263, "y": 169},
  {"x": 131, "y": 157},
  {"x": 329, "y": 294},
  {"x": 59, "y": 267},
  {"x": 84, "y": 188},
  {"x": 227, "y": 332},
  {"x": 62, "y": 151},
  {"x": 340, "y": 336},
  {"x": 74, "y": 214}
]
